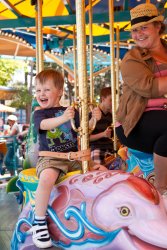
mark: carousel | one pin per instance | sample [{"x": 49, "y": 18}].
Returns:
[{"x": 113, "y": 209}]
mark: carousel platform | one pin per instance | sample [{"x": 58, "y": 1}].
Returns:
[{"x": 9, "y": 212}]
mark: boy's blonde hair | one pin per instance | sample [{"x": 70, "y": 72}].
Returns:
[{"x": 50, "y": 75}]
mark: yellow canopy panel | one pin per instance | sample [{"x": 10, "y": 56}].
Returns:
[
  {"x": 49, "y": 8},
  {"x": 102, "y": 29}
]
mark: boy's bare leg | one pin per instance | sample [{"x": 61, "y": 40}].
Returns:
[
  {"x": 47, "y": 180},
  {"x": 41, "y": 237}
]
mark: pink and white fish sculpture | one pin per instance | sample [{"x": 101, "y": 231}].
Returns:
[{"x": 109, "y": 210}]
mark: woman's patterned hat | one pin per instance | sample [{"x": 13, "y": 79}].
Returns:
[{"x": 143, "y": 14}]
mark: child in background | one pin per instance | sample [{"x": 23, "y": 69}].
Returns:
[
  {"x": 100, "y": 139},
  {"x": 55, "y": 134}
]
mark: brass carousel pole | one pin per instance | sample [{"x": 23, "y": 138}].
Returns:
[
  {"x": 117, "y": 65},
  {"x": 91, "y": 53},
  {"x": 39, "y": 37},
  {"x": 75, "y": 62},
  {"x": 82, "y": 77},
  {"x": 63, "y": 73},
  {"x": 113, "y": 83}
]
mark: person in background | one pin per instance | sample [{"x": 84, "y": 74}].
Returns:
[
  {"x": 23, "y": 134},
  {"x": 1, "y": 125},
  {"x": 22, "y": 139},
  {"x": 13, "y": 125},
  {"x": 10, "y": 160},
  {"x": 142, "y": 112},
  {"x": 3, "y": 148},
  {"x": 100, "y": 139},
  {"x": 58, "y": 150}
]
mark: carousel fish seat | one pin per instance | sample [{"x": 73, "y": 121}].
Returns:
[
  {"x": 96, "y": 210},
  {"x": 28, "y": 181},
  {"x": 139, "y": 163}
]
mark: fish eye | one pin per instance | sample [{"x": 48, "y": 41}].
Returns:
[{"x": 124, "y": 211}]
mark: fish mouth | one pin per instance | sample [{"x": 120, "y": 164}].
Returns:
[
  {"x": 142, "y": 245},
  {"x": 151, "y": 233}
]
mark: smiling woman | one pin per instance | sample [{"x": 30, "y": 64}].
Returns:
[{"x": 142, "y": 112}]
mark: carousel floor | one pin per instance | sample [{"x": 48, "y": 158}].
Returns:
[{"x": 9, "y": 212}]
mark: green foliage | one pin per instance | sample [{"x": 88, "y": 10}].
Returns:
[
  {"x": 7, "y": 69},
  {"x": 22, "y": 97}
]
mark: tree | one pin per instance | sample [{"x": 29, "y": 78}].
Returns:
[
  {"x": 22, "y": 97},
  {"x": 7, "y": 70},
  {"x": 10, "y": 71}
]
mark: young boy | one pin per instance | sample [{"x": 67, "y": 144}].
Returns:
[{"x": 55, "y": 134}]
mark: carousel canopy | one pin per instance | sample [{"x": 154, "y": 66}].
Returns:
[
  {"x": 18, "y": 32},
  {"x": 6, "y": 93},
  {"x": 4, "y": 108},
  {"x": 17, "y": 18}
]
